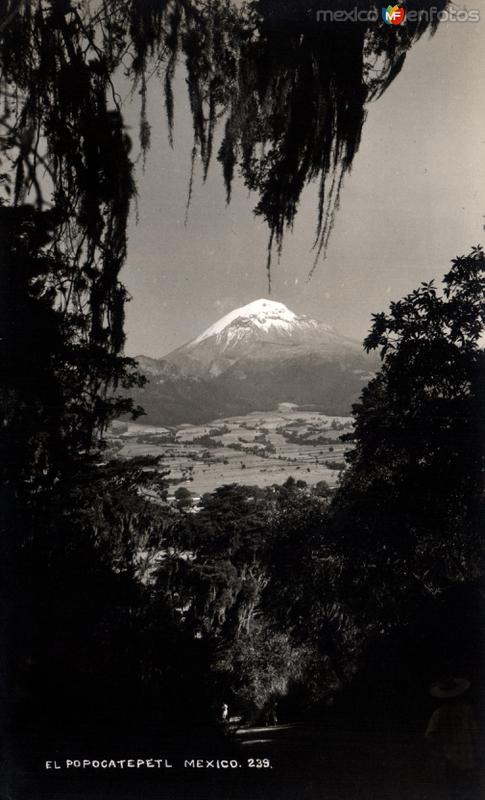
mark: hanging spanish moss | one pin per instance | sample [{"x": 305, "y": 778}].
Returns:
[{"x": 291, "y": 93}]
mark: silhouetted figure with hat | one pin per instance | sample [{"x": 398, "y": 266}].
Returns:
[{"x": 453, "y": 729}]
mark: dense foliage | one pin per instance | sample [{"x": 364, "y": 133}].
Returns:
[
  {"x": 414, "y": 492},
  {"x": 55, "y": 374}
]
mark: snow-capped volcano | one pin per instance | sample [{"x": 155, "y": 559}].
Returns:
[
  {"x": 260, "y": 316},
  {"x": 263, "y": 325},
  {"x": 254, "y": 358}
]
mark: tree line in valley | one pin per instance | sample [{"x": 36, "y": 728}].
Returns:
[{"x": 283, "y": 594}]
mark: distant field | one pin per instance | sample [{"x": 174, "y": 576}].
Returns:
[{"x": 259, "y": 449}]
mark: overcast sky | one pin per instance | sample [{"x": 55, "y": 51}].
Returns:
[{"x": 415, "y": 198}]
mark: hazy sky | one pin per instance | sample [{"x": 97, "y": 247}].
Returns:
[{"x": 415, "y": 198}]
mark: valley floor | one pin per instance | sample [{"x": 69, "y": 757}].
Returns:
[{"x": 262, "y": 448}]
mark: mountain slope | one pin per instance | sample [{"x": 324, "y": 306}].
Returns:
[{"x": 252, "y": 359}]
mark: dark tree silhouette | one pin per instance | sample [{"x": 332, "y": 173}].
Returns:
[
  {"x": 410, "y": 506},
  {"x": 55, "y": 379}
]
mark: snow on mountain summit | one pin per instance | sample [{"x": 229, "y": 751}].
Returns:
[{"x": 262, "y": 315}]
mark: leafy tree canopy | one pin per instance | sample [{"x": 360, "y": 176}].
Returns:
[{"x": 411, "y": 502}]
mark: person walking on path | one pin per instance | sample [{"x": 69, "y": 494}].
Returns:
[{"x": 452, "y": 728}]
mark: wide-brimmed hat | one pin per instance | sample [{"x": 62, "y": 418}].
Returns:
[{"x": 449, "y": 687}]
